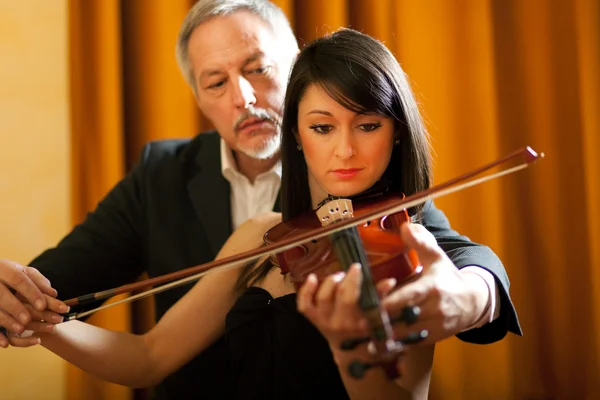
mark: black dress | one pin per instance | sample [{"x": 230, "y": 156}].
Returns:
[{"x": 276, "y": 353}]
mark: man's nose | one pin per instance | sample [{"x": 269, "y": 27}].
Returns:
[{"x": 243, "y": 93}]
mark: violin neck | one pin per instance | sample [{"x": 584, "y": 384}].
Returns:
[{"x": 349, "y": 249}]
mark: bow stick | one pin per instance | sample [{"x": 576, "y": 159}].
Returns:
[{"x": 181, "y": 277}]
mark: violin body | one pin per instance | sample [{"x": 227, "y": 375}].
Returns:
[{"x": 385, "y": 251}]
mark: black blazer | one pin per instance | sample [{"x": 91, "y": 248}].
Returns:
[{"x": 172, "y": 211}]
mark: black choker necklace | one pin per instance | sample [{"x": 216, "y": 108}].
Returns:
[{"x": 380, "y": 188}]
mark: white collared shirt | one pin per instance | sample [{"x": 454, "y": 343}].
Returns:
[{"x": 249, "y": 199}]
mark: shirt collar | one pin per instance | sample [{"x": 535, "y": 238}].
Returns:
[{"x": 229, "y": 167}]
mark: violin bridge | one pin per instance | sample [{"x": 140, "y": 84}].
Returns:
[{"x": 335, "y": 210}]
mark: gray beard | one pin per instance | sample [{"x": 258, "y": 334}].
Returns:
[{"x": 267, "y": 150}]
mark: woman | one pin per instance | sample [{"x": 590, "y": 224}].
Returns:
[{"x": 351, "y": 127}]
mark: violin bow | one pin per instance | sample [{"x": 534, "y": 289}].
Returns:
[{"x": 191, "y": 274}]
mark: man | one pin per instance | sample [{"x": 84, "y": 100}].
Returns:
[{"x": 179, "y": 204}]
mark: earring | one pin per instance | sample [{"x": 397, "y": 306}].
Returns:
[
  {"x": 397, "y": 142},
  {"x": 299, "y": 147}
]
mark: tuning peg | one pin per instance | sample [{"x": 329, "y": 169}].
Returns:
[
  {"x": 409, "y": 315},
  {"x": 357, "y": 369}
]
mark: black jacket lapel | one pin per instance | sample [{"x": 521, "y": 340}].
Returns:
[
  {"x": 210, "y": 193},
  {"x": 277, "y": 206}
]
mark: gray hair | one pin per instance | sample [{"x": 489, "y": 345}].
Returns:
[{"x": 206, "y": 9}]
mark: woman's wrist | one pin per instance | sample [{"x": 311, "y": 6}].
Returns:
[{"x": 479, "y": 298}]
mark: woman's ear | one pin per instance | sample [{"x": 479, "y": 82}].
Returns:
[{"x": 297, "y": 137}]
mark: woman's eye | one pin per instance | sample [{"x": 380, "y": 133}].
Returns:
[
  {"x": 370, "y": 127},
  {"x": 321, "y": 128}
]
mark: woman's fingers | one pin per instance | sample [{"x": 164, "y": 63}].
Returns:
[
  {"x": 385, "y": 286},
  {"x": 305, "y": 296},
  {"x": 316, "y": 300},
  {"x": 16, "y": 341},
  {"x": 347, "y": 318},
  {"x": 37, "y": 326},
  {"x": 325, "y": 297},
  {"x": 45, "y": 316}
]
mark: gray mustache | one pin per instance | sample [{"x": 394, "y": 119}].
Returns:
[{"x": 253, "y": 113}]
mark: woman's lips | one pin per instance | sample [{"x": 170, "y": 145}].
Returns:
[{"x": 346, "y": 173}]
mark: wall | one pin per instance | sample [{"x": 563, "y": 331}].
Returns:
[{"x": 34, "y": 165}]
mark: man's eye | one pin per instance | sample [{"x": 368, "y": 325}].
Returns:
[
  {"x": 321, "y": 128},
  {"x": 259, "y": 70},
  {"x": 216, "y": 85},
  {"x": 370, "y": 127}
]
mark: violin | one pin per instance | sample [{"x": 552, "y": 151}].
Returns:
[
  {"x": 339, "y": 234},
  {"x": 376, "y": 245}
]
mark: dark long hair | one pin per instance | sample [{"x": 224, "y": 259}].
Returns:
[{"x": 362, "y": 75}]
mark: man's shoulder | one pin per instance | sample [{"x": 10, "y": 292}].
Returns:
[
  {"x": 181, "y": 147},
  {"x": 184, "y": 149}
]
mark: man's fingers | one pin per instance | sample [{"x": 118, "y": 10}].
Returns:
[
  {"x": 13, "y": 274},
  {"x": 3, "y": 337},
  {"x": 41, "y": 281},
  {"x": 8, "y": 322},
  {"x": 56, "y": 305},
  {"x": 11, "y": 305}
]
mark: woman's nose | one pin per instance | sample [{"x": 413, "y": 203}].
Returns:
[{"x": 345, "y": 147}]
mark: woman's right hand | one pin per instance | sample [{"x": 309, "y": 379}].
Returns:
[{"x": 27, "y": 301}]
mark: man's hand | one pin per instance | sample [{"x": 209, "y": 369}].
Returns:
[{"x": 27, "y": 299}]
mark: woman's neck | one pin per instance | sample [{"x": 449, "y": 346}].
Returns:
[{"x": 318, "y": 194}]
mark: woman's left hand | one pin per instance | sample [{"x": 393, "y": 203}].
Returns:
[
  {"x": 449, "y": 301},
  {"x": 333, "y": 307}
]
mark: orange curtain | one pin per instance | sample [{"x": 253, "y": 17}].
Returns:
[
  {"x": 491, "y": 77},
  {"x": 96, "y": 89}
]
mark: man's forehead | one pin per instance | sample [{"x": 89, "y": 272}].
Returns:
[{"x": 230, "y": 41}]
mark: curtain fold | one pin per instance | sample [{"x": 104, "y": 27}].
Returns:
[
  {"x": 98, "y": 158},
  {"x": 491, "y": 76}
]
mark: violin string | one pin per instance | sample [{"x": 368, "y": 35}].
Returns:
[{"x": 355, "y": 222}]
